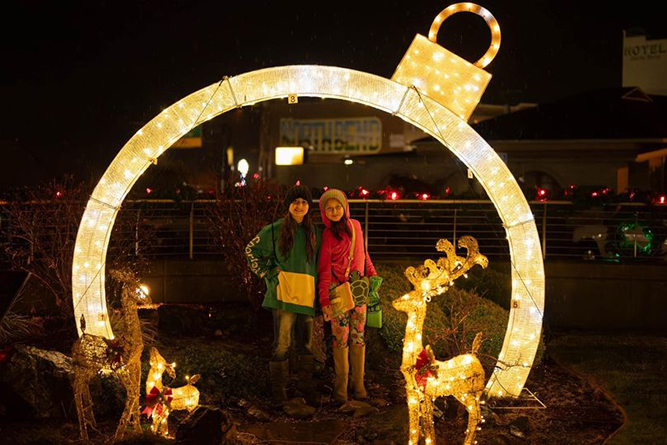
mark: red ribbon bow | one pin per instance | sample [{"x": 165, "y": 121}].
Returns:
[
  {"x": 424, "y": 368},
  {"x": 114, "y": 353},
  {"x": 156, "y": 402}
]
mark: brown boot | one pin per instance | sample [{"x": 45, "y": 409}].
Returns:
[
  {"x": 341, "y": 368},
  {"x": 358, "y": 362},
  {"x": 306, "y": 384},
  {"x": 279, "y": 374}
]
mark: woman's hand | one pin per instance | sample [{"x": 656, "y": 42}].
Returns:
[{"x": 327, "y": 311}]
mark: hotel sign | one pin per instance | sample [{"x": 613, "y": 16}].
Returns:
[
  {"x": 645, "y": 64},
  {"x": 361, "y": 135}
]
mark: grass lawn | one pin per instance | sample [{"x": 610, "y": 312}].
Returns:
[{"x": 632, "y": 369}]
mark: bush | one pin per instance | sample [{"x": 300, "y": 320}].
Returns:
[
  {"x": 492, "y": 284},
  {"x": 224, "y": 373},
  {"x": 236, "y": 217},
  {"x": 452, "y": 321}
]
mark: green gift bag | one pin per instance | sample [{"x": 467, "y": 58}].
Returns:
[{"x": 374, "y": 310}]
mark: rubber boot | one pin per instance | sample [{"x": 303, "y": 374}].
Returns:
[
  {"x": 358, "y": 362},
  {"x": 279, "y": 374},
  {"x": 306, "y": 384},
  {"x": 341, "y": 368}
]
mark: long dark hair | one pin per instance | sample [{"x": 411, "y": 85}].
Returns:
[
  {"x": 341, "y": 226},
  {"x": 288, "y": 231}
]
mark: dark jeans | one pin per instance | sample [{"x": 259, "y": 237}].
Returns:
[{"x": 283, "y": 324}]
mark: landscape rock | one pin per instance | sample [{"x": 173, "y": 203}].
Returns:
[
  {"x": 258, "y": 414},
  {"x": 36, "y": 383},
  {"x": 387, "y": 427},
  {"x": 365, "y": 411},
  {"x": 207, "y": 425},
  {"x": 516, "y": 432},
  {"x": 352, "y": 405},
  {"x": 380, "y": 403},
  {"x": 298, "y": 409}
]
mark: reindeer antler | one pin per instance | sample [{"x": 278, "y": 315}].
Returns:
[
  {"x": 458, "y": 265},
  {"x": 449, "y": 267},
  {"x": 472, "y": 258}
]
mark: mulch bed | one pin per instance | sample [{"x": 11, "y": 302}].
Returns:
[{"x": 575, "y": 413}]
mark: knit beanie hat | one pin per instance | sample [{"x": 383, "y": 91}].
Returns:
[
  {"x": 298, "y": 191},
  {"x": 335, "y": 194}
]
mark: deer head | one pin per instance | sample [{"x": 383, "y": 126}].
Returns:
[
  {"x": 133, "y": 293},
  {"x": 158, "y": 363},
  {"x": 433, "y": 278},
  {"x": 410, "y": 303}
]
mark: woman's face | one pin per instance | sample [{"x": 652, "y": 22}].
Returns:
[
  {"x": 334, "y": 210},
  {"x": 298, "y": 209}
]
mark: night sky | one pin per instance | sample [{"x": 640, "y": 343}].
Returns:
[{"x": 79, "y": 78}]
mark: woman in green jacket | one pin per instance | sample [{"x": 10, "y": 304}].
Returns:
[{"x": 285, "y": 254}]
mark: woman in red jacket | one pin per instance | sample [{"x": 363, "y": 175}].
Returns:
[{"x": 333, "y": 264}]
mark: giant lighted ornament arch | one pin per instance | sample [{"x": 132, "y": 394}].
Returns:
[{"x": 408, "y": 103}]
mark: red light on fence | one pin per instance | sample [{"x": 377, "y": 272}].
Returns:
[
  {"x": 662, "y": 199},
  {"x": 447, "y": 190},
  {"x": 424, "y": 196},
  {"x": 325, "y": 188},
  {"x": 298, "y": 182},
  {"x": 364, "y": 192},
  {"x": 594, "y": 194},
  {"x": 59, "y": 194},
  {"x": 541, "y": 193},
  {"x": 256, "y": 176},
  {"x": 149, "y": 190},
  {"x": 393, "y": 196}
]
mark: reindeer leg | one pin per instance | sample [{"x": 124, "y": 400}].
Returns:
[
  {"x": 414, "y": 413},
  {"x": 135, "y": 381},
  {"x": 78, "y": 401},
  {"x": 471, "y": 402},
  {"x": 88, "y": 403},
  {"x": 427, "y": 419},
  {"x": 122, "y": 424}
]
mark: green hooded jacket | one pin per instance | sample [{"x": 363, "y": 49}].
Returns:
[{"x": 295, "y": 287}]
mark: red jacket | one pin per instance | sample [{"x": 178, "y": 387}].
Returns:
[{"x": 334, "y": 254}]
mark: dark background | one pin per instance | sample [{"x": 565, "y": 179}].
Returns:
[{"x": 79, "y": 78}]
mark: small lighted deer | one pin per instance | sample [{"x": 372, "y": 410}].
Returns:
[
  {"x": 425, "y": 377},
  {"x": 182, "y": 398}
]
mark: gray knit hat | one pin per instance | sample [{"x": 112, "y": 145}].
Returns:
[
  {"x": 298, "y": 191},
  {"x": 335, "y": 194}
]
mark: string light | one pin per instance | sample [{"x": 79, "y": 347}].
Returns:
[
  {"x": 88, "y": 290},
  {"x": 427, "y": 378},
  {"x": 425, "y": 60},
  {"x": 182, "y": 398}
]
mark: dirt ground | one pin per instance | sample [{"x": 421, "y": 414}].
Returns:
[{"x": 233, "y": 362}]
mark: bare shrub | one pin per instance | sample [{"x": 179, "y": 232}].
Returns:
[
  {"x": 237, "y": 216},
  {"x": 40, "y": 233}
]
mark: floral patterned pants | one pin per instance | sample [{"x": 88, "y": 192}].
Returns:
[{"x": 349, "y": 324}]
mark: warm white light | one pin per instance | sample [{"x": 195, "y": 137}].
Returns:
[
  {"x": 289, "y": 155},
  {"x": 383, "y": 94},
  {"x": 243, "y": 167}
]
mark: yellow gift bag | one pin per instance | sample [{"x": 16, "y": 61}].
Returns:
[{"x": 442, "y": 75}]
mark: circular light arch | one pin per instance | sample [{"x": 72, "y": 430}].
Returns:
[{"x": 525, "y": 319}]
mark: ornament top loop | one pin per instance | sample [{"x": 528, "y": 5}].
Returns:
[{"x": 475, "y": 9}]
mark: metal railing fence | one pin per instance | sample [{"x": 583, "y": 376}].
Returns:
[{"x": 404, "y": 228}]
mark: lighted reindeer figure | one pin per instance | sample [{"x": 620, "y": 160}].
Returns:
[
  {"x": 182, "y": 398},
  {"x": 92, "y": 354},
  {"x": 425, "y": 377}
]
